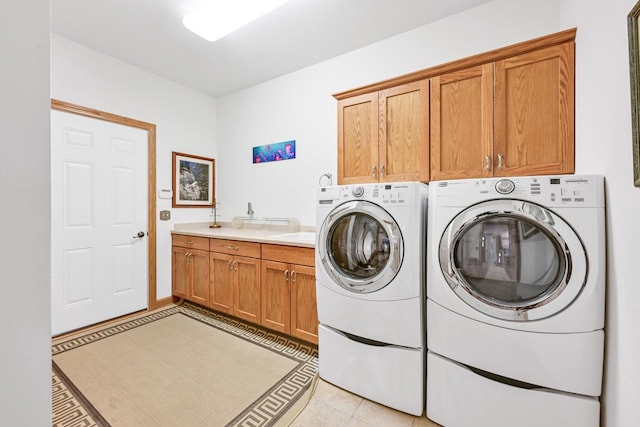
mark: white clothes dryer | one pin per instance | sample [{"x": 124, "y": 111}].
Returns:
[
  {"x": 370, "y": 287},
  {"x": 516, "y": 288}
]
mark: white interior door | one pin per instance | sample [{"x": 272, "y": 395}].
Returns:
[{"x": 98, "y": 208}]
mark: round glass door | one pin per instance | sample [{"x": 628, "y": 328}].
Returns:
[
  {"x": 512, "y": 260},
  {"x": 361, "y": 246}
]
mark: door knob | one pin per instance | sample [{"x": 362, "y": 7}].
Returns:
[{"x": 140, "y": 235}]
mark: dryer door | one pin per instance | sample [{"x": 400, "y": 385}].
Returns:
[
  {"x": 360, "y": 246},
  {"x": 513, "y": 260}
]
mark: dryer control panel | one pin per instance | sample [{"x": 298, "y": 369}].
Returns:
[
  {"x": 552, "y": 191},
  {"x": 392, "y": 194}
]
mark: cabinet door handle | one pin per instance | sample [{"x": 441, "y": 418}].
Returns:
[
  {"x": 375, "y": 175},
  {"x": 235, "y": 265},
  {"x": 286, "y": 275},
  {"x": 186, "y": 257},
  {"x": 499, "y": 161},
  {"x": 293, "y": 276},
  {"x": 189, "y": 242},
  {"x": 382, "y": 171},
  {"x": 229, "y": 265},
  {"x": 487, "y": 163},
  {"x": 233, "y": 248}
]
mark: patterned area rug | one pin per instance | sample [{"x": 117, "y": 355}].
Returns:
[{"x": 94, "y": 384}]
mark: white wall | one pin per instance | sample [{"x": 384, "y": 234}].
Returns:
[
  {"x": 185, "y": 121},
  {"x": 603, "y": 145},
  {"x": 25, "y": 371},
  {"x": 299, "y": 106}
]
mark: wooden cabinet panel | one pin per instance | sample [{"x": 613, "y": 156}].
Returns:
[
  {"x": 276, "y": 306},
  {"x": 403, "y": 133},
  {"x": 221, "y": 282},
  {"x": 235, "y": 284},
  {"x": 180, "y": 272},
  {"x": 199, "y": 261},
  {"x": 289, "y": 291},
  {"x": 534, "y": 123},
  {"x": 304, "y": 309},
  {"x": 190, "y": 269},
  {"x": 247, "y": 289},
  {"x": 462, "y": 123},
  {"x": 357, "y": 138}
]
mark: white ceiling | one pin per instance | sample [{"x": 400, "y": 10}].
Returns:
[{"x": 150, "y": 35}]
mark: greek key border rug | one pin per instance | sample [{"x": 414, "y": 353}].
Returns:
[{"x": 278, "y": 405}]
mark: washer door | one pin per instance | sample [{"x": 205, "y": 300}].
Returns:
[
  {"x": 360, "y": 246},
  {"x": 513, "y": 260}
]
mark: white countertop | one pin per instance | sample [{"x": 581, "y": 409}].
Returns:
[{"x": 279, "y": 235}]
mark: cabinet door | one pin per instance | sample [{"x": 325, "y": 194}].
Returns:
[
  {"x": 462, "y": 124},
  {"x": 276, "y": 309},
  {"x": 221, "y": 282},
  {"x": 247, "y": 289},
  {"x": 358, "y": 139},
  {"x": 180, "y": 274},
  {"x": 199, "y": 264},
  {"x": 304, "y": 311},
  {"x": 404, "y": 133},
  {"x": 534, "y": 125}
]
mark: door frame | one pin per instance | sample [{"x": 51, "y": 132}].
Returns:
[{"x": 152, "y": 302}]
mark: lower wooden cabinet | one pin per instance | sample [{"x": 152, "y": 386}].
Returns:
[
  {"x": 288, "y": 291},
  {"x": 235, "y": 280},
  {"x": 190, "y": 265},
  {"x": 270, "y": 285}
]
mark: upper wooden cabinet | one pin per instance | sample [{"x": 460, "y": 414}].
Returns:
[
  {"x": 506, "y": 112},
  {"x": 534, "y": 113},
  {"x": 383, "y": 135},
  {"x": 462, "y": 123}
]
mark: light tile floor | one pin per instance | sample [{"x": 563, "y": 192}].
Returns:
[{"x": 335, "y": 407}]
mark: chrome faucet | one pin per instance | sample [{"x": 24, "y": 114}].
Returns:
[{"x": 250, "y": 211}]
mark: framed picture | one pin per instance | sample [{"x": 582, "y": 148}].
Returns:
[
  {"x": 193, "y": 182},
  {"x": 634, "y": 63},
  {"x": 285, "y": 150}
]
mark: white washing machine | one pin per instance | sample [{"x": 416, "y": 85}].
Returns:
[
  {"x": 516, "y": 292},
  {"x": 370, "y": 286}
]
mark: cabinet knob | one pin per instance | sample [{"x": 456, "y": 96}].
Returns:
[
  {"x": 382, "y": 171},
  {"x": 375, "y": 175}
]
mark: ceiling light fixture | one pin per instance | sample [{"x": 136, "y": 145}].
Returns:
[{"x": 215, "y": 19}]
